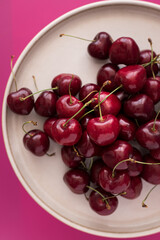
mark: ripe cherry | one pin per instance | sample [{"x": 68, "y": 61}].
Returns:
[
  {"x": 135, "y": 169},
  {"x": 134, "y": 189},
  {"x": 95, "y": 169},
  {"x": 151, "y": 89},
  {"x": 47, "y": 126},
  {"x": 155, "y": 154},
  {"x": 87, "y": 91},
  {"x": 70, "y": 156}
]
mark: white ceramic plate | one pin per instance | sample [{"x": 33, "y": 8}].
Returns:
[{"x": 48, "y": 55}]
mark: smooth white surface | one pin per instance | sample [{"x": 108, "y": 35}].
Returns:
[{"x": 48, "y": 55}]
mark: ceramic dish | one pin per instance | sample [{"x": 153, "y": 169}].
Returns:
[{"x": 48, "y": 55}]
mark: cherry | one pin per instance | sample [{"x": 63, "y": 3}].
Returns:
[
  {"x": 148, "y": 135},
  {"x": 84, "y": 121},
  {"x": 145, "y": 57},
  {"x": 99, "y": 47},
  {"x": 36, "y": 141},
  {"x": 70, "y": 157},
  {"x": 132, "y": 78},
  {"x": 66, "y": 132},
  {"x": 77, "y": 180},
  {"x": 117, "y": 152},
  {"x": 107, "y": 72},
  {"x": 95, "y": 169},
  {"x": 122, "y": 95},
  {"x": 45, "y": 104},
  {"x": 111, "y": 105},
  {"x": 63, "y": 81},
  {"x": 47, "y": 126},
  {"x": 151, "y": 89},
  {"x": 127, "y": 128},
  {"x": 115, "y": 185},
  {"x": 155, "y": 153},
  {"x": 19, "y": 106},
  {"x": 134, "y": 189},
  {"x": 134, "y": 169},
  {"x": 124, "y": 51},
  {"x": 97, "y": 201},
  {"x": 87, "y": 91},
  {"x": 67, "y": 106},
  {"x": 103, "y": 131},
  {"x": 140, "y": 107},
  {"x": 151, "y": 173}
]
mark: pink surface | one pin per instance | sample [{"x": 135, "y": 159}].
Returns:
[{"x": 20, "y": 215}]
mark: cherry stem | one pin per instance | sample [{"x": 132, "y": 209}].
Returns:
[
  {"x": 76, "y": 151},
  {"x": 34, "y": 80},
  {"x": 69, "y": 90},
  {"x": 90, "y": 165},
  {"x": 24, "y": 98},
  {"x": 152, "y": 61},
  {"x": 154, "y": 124},
  {"x": 34, "y": 123},
  {"x": 50, "y": 154},
  {"x": 94, "y": 91},
  {"x": 150, "y": 42},
  {"x": 143, "y": 202},
  {"x": 67, "y": 35},
  {"x": 13, "y": 73},
  {"x": 118, "y": 194},
  {"x": 133, "y": 161},
  {"x": 103, "y": 197}
]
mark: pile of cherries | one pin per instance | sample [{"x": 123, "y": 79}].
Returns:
[{"x": 109, "y": 131}]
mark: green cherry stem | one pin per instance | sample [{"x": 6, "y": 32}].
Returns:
[
  {"x": 154, "y": 60},
  {"x": 94, "y": 91},
  {"x": 68, "y": 35},
  {"x": 35, "y": 83},
  {"x": 15, "y": 82},
  {"x": 69, "y": 90},
  {"x": 154, "y": 124},
  {"x": 150, "y": 42},
  {"x": 34, "y": 123},
  {"x": 143, "y": 202}
]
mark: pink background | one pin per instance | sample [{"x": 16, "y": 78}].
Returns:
[{"x": 20, "y": 216}]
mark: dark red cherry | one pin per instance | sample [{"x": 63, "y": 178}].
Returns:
[
  {"x": 151, "y": 173},
  {"x": 127, "y": 128},
  {"x": 47, "y": 126},
  {"x": 77, "y": 180},
  {"x": 148, "y": 135},
  {"x": 95, "y": 169},
  {"x": 151, "y": 88},
  {"x": 67, "y": 107},
  {"x": 124, "y": 51},
  {"x": 111, "y": 105},
  {"x": 122, "y": 95},
  {"x": 103, "y": 131},
  {"x": 99, "y": 47},
  {"x": 107, "y": 72},
  {"x": 89, "y": 90},
  {"x": 132, "y": 78},
  {"x": 70, "y": 157},
  {"x": 17, "y": 105},
  {"x": 145, "y": 57},
  {"x": 99, "y": 205},
  {"x": 140, "y": 107},
  {"x": 155, "y": 154},
  {"x": 62, "y": 82},
  {"x": 84, "y": 121},
  {"x": 134, "y": 189},
  {"x": 115, "y": 153},
  {"x": 66, "y": 134},
  {"x": 36, "y": 141},
  {"x": 134, "y": 169},
  {"x": 115, "y": 185},
  {"x": 45, "y": 104}
]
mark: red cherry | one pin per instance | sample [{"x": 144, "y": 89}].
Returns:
[
  {"x": 95, "y": 169},
  {"x": 70, "y": 157},
  {"x": 47, "y": 126},
  {"x": 135, "y": 169},
  {"x": 134, "y": 189},
  {"x": 155, "y": 154},
  {"x": 89, "y": 90},
  {"x": 151, "y": 89}
]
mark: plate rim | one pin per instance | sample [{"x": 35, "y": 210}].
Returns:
[{"x": 18, "y": 174}]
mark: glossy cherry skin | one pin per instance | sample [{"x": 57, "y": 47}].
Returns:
[
  {"x": 155, "y": 154},
  {"x": 147, "y": 137},
  {"x": 47, "y": 126},
  {"x": 145, "y": 57},
  {"x": 84, "y": 121},
  {"x": 134, "y": 189},
  {"x": 124, "y": 51},
  {"x": 95, "y": 169},
  {"x": 62, "y": 82},
  {"x": 151, "y": 173},
  {"x": 132, "y": 78},
  {"x": 45, "y": 104},
  {"x": 86, "y": 90},
  {"x": 127, "y": 128},
  {"x": 122, "y": 95},
  {"x": 77, "y": 180},
  {"x": 66, "y": 135},
  {"x": 66, "y": 109},
  {"x": 86, "y": 147},
  {"x": 98, "y": 204},
  {"x": 70, "y": 157},
  {"x": 18, "y": 106},
  {"x": 99, "y": 47},
  {"x": 151, "y": 89},
  {"x": 111, "y": 105},
  {"x": 107, "y": 72},
  {"x": 37, "y": 142},
  {"x": 115, "y": 153},
  {"x": 140, "y": 107},
  {"x": 103, "y": 131},
  {"x": 114, "y": 185},
  {"x": 135, "y": 169}
]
